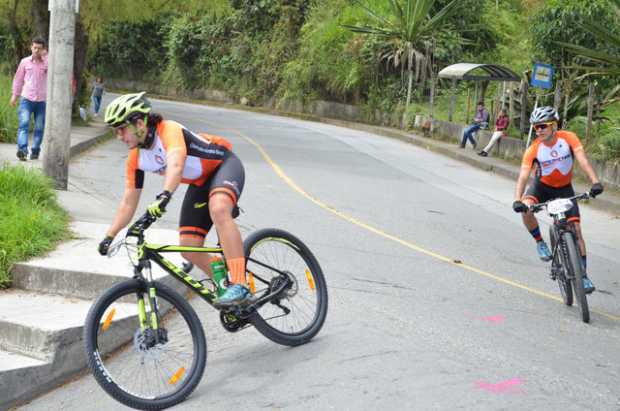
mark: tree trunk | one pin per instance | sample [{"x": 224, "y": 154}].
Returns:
[
  {"x": 409, "y": 86},
  {"x": 567, "y": 91},
  {"x": 468, "y": 106},
  {"x": 590, "y": 110},
  {"x": 483, "y": 89},
  {"x": 557, "y": 97},
  {"x": 432, "y": 94},
  {"x": 522, "y": 126},
  {"x": 16, "y": 35},
  {"x": 452, "y": 100},
  {"x": 79, "y": 61},
  {"x": 40, "y": 18}
]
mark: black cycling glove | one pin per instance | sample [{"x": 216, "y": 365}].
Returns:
[
  {"x": 104, "y": 245},
  {"x": 519, "y": 206},
  {"x": 597, "y": 188}
]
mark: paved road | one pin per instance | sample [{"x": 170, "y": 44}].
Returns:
[{"x": 406, "y": 328}]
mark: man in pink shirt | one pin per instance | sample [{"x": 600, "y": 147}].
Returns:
[{"x": 30, "y": 83}]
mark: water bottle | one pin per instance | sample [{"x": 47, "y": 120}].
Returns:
[{"x": 218, "y": 268}]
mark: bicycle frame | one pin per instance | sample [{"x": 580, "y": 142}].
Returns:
[
  {"x": 151, "y": 252},
  {"x": 147, "y": 252},
  {"x": 561, "y": 226}
]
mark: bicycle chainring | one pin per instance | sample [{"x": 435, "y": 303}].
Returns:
[{"x": 231, "y": 322}]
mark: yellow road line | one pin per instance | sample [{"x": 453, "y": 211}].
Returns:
[{"x": 400, "y": 241}]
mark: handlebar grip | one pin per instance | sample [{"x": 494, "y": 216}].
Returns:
[{"x": 141, "y": 224}]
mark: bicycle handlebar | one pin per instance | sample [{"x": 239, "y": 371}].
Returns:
[
  {"x": 534, "y": 208},
  {"x": 140, "y": 225}
]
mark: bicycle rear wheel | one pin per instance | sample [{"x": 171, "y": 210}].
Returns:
[
  {"x": 298, "y": 313},
  {"x": 573, "y": 266},
  {"x": 143, "y": 367},
  {"x": 559, "y": 271}
]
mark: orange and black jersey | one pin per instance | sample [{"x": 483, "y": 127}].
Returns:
[
  {"x": 554, "y": 160},
  {"x": 203, "y": 154}
]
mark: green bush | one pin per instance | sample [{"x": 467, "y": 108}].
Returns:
[
  {"x": 31, "y": 221},
  {"x": 332, "y": 61},
  {"x": 8, "y": 114},
  {"x": 608, "y": 144},
  {"x": 131, "y": 50}
]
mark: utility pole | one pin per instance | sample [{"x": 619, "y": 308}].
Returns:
[{"x": 57, "y": 132}]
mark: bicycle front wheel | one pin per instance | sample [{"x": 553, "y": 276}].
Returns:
[
  {"x": 297, "y": 314},
  {"x": 558, "y": 270},
  {"x": 138, "y": 362},
  {"x": 575, "y": 270}
]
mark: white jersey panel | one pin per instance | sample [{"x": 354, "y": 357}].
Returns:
[
  {"x": 558, "y": 157},
  {"x": 154, "y": 160}
]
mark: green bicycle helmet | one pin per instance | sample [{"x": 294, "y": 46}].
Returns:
[{"x": 123, "y": 108}]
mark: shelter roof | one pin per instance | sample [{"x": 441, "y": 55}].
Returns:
[{"x": 463, "y": 71}]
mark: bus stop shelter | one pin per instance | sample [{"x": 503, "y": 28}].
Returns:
[{"x": 476, "y": 73}]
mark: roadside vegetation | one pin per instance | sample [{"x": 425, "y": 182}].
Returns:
[
  {"x": 31, "y": 221},
  {"x": 8, "y": 114}
]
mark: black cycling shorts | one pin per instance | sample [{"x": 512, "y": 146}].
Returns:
[
  {"x": 229, "y": 178},
  {"x": 540, "y": 193}
]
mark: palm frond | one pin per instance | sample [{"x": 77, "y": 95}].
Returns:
[
  {"x": 591, "y": 54},
  {"x": 603, "y": 34},
  {"x": 371, "y": 13},
  {"x": 443, "y": 13},
  {"x": 370, "y": 30},
  {"x": 397, "y": 10}
]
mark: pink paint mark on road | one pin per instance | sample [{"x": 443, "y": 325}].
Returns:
[
  {"x": 501, "y": 387},
  {"x": 494, "y": 319}
]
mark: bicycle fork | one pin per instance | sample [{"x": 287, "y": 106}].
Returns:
[{"x": 143, "y": 317}]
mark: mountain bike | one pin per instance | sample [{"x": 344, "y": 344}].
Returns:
[
  {"x": 566, "y": 265},
  {"x": 145, "y": 343}
]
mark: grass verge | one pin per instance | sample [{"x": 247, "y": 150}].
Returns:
[
  {"x": 31, "y": 221},
  {"x": 8, "y": 114}
]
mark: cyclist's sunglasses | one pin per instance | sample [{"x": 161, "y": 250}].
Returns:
[
  {"x": 123, "y": 126},
  {"x": 543, "y": 126}
]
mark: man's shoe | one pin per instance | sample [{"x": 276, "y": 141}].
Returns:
[
  {"x": 483, "y": 153},
  {"x": 21, "y": 155},
  {"x": 588, "y": 287},
  {"x": 235, "y": 294},
  {"x": 34, "y": 156},
  {"x": 543, "y": 251}
]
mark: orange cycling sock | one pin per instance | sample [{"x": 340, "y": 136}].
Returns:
[{"x": 236, "y": 266}]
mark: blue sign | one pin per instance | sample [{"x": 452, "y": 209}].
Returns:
[{"x": 542, "y": 75}]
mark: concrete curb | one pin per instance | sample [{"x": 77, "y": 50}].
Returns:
[{"x": 82, "y": 146}]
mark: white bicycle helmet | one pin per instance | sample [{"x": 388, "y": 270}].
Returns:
[{"x": 544, "y": 114}]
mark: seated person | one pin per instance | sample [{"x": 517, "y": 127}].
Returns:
[
  {"x": 501, "y": 124},
  {"x": 481, "y": 120}
]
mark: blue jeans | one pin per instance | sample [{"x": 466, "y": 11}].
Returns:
[
  {"x": 468, "y": 134},
  {"x": 96, "y": 103},
  {"x": 25, "y": 110}
]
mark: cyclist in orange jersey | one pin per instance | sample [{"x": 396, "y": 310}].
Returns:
[
  {"x": 553, "y": 153},
  {"x": 214, "y": 173}
]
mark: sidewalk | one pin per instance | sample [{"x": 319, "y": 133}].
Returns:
[
  {"x": 41, "y": 317},
  {"x": 82, "y": 138}
]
